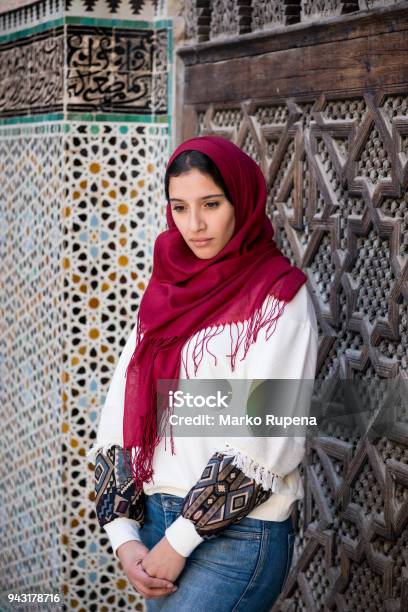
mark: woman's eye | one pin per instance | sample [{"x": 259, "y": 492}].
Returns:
[{"x": 180, "y": 207}]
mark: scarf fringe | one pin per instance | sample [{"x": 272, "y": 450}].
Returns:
[
  {"x": 260, "y": 318},
  {"x": 262, "y": 476},
  {"x": 141, "y": 462}
]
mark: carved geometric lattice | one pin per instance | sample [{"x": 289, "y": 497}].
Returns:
[
  {"x": 266, "y": 13},
  {"x": 336, "y": 170},
  {"x": 212, "y": 20}
]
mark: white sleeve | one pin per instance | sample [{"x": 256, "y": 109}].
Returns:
[
  {"x": 110, "y": 433},
  {"x": 110, "y": 429}
]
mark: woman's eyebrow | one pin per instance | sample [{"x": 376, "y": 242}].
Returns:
[{"x": 214, "y": 195}]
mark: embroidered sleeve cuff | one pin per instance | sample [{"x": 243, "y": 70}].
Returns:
[
  {"x": 94, "y": 450},
  {"x": 122, "y": 530},
  {"x": 183, "y": 536}
]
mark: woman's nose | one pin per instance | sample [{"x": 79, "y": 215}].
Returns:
[{"x": 196, "y": 222}]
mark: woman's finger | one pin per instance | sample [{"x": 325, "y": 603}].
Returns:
[
  {"x": 151, "y": 582},
  {"x": 154, "y": 593}
]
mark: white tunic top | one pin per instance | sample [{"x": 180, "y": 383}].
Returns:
[{"x": 289, "y": 353}]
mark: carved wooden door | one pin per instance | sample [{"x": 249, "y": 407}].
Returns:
[{"x": 322, "y": 106}]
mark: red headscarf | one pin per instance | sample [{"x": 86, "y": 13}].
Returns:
[{"x": 186, "y": 294}]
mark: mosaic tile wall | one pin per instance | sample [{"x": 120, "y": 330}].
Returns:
[
  {"x": 85, "y": 131},
  {"x": 31, "y": 505},
  {"x": 110, "y": 221}
]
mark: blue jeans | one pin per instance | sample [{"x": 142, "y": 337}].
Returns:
[{"x": 243, "y": 568}]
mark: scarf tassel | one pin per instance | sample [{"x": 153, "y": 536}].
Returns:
[
  {"x": 262, "y": 476},
  {"x": 141, "y": 464},
  {"x": 259, "y": 319}
]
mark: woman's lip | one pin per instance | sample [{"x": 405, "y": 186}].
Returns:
[{"x": 201, "y": 242}]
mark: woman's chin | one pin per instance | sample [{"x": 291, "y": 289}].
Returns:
[{"x": 205, "y": 252}]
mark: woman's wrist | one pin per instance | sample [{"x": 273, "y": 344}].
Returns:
[{"x": 131, "y": 551}]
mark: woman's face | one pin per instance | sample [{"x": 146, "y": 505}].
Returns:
[{"x": 201, "y": 212}]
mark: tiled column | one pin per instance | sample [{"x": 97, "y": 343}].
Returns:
[{"x": 85, "y": 131}]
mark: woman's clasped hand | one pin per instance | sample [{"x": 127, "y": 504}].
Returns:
[{"x": 151, "y": 572}]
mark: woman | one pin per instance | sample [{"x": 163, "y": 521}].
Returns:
[{"x": 206, "y": 524}]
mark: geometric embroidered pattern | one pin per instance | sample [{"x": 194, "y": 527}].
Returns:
[
  {"x": 115, "y": 489},
  {"x": 223, "y": 495}
]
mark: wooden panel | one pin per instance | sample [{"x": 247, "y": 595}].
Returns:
[
  {"x": 351, "y": 64},
  {"x": 328, "y": 123},
  {"x": 348, "y": 27}
]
